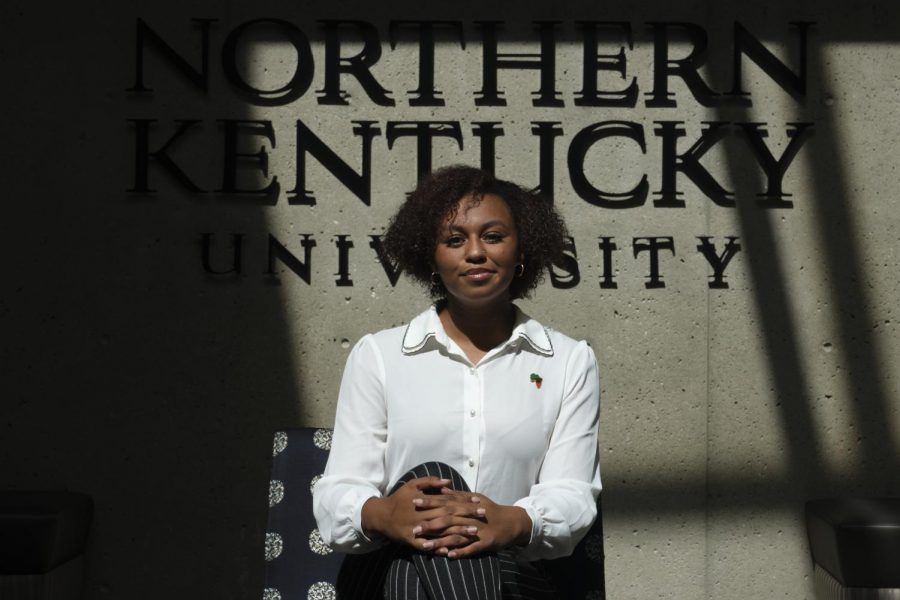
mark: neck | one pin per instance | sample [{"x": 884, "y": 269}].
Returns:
[{"x": 483, "y": 327}]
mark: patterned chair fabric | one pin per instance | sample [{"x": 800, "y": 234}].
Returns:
[{"x": 300, "y": 567}]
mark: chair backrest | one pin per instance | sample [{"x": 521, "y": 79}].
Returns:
[{"x": 300, "y": 567}]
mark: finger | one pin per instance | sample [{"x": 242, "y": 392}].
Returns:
[
  {"x": 421, "y": 483},
  {"x": 437, "y": 527},
  {"x": 426, "y": 515},
  {"x": 471, "y": 511},
  {"x": 431, "y": 501},
  {"x": 463, "y": 551},
  {"x": 467, "y": 496},
  {"x": 454, "y": 503},
  {"x": 431, "y": 530},
  {"x": 433, "y": 518},
  {"x": 464, "y": 509},
  {"x": 443, "y": 545},
  {"x": 468, "y": 531}
]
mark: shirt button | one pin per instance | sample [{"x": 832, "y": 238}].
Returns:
[
  {"x": 471, "y": 463},
  {"x": 472, "y": 370},
  {"x": 472, "y": 413}
]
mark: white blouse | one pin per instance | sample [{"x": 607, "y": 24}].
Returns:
[{"x": 520, "y": 427}]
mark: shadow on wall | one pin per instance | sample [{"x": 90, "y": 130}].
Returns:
[
  {"x": 137, "y": 378},
  {"x": 808, "y": 475}
]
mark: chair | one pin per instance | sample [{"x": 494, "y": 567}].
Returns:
[
  {"x": 42, "y": 540},
  {"x": 299, "y": 566},
  {"x": 855, "y": 546}
]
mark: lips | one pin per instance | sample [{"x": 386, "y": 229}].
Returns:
[{"x": 477, "y": 274}]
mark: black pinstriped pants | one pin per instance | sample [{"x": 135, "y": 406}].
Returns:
[{"x": 401, "y": 573}]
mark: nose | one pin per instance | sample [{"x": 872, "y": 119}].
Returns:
[{"x": 475, "y": 251}]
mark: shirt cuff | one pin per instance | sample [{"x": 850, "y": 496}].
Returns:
[
  {"x": 537, "y": 522},
  {"x": 356, "y": 520}
]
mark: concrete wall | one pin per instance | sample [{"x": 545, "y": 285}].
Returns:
[{"x": 132, "y": 374}]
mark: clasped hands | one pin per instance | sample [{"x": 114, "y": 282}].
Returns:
[{"x": 452, "y": 523}]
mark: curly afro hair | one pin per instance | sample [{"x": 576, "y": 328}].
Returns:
[{"x": 412, "y": 235}]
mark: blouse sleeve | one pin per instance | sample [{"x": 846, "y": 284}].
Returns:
[
  {"x": 355, "y": 469},
  {"x": 563, "y": 503}
]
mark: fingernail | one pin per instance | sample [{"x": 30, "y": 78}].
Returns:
[
  {"x": 428, "y": 545},
  {"x": 472, "y": 529},
  {"x": 417, "y": 501},
  {"x": 417, "y": 530},
  {"x": 443, "y": 551},
  {"x": 476, "y": 499},
  {"x": 451, "y": 555},
  {"x": 481, "y": 512}
]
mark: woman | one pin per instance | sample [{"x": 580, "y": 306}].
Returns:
[{"x": 505, "y": 408}]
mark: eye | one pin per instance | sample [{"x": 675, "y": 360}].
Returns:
[
  {"x": 455, "y": 241},
  {"x": 493, "y": 237}
]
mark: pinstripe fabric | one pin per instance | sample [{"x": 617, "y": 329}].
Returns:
[{"x": 400, "y": 573}]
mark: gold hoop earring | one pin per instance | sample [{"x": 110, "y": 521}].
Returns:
[{"x": 520, "y": 270}]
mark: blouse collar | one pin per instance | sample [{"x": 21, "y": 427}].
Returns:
[{"x": 427, "y": 326}]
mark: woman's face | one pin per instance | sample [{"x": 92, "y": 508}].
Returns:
[{"x": 478, "y": 251}]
